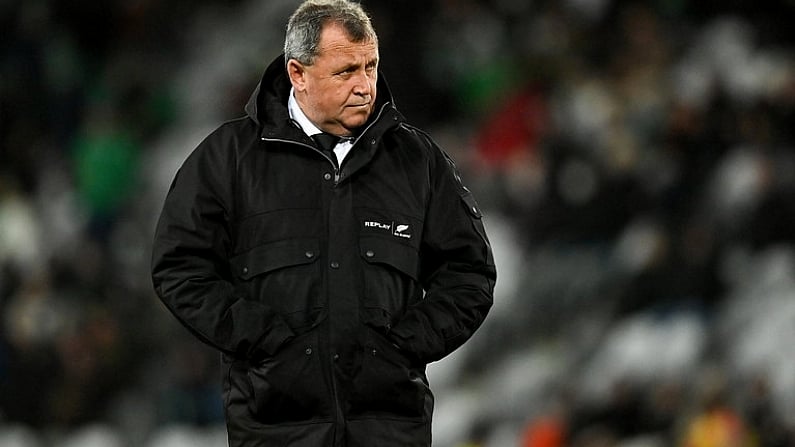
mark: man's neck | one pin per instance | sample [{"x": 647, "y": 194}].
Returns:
[{"x": 298, "y": 115}]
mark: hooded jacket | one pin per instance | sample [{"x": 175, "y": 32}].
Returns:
[{"x": 328, "y": 290}]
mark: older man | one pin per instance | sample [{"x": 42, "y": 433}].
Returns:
[{"x": 326, "y": 247}]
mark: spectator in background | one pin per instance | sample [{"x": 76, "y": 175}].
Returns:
[
  {"x": 717, "y": 424},
  {"x": 329, "y": 274},
  {"x": 545, "y": 431},
  {"x": 106, "y": 159}
]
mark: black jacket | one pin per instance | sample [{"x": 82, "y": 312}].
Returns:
[{"x": 327, "y": 290}]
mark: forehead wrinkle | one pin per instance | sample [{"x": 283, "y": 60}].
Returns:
[
  {"x": 336, "y": 38},
  {"x": 349, "y": 48}
]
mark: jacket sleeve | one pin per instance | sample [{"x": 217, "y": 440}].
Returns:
[
  {"x": 192, "y": 245},
  {"x": 457, "y": 269}
]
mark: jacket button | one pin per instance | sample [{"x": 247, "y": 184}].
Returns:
[
  {"x": 374, "y": 352},
  {"x": 327, "y": 176},
  {"x": 369, "y": 253},
  {"x": 336, "y": 357},
  {"x": 309, "y": 254},
  {"x": 308, "y": 351},
  {"x": 335, "y": 265},
  {"x": 245, "y": 270}
]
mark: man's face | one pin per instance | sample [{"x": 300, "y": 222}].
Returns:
[{"x": 337, "y": 92}]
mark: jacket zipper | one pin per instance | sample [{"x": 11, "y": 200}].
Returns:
[
  {"x": 340, "y": 418},
  {"x": 337, "y": 169},
  {"x": 333, "y": 165}
]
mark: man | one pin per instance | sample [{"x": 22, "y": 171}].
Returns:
[{"x": 328, "y": 279}]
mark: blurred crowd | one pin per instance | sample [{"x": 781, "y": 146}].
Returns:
[{"x": 636, "y": 161}]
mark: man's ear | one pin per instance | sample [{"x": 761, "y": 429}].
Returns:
[{"x": 296, "y": 72}]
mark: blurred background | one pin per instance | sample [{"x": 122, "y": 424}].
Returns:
[{"x": 635, "y": 161}]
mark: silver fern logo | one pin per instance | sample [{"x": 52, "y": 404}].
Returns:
[{"x": 401, "y": 230}]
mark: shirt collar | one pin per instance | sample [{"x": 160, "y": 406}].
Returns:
[{"x": 299, "y": 117}]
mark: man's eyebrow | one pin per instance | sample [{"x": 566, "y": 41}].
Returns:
[
  {"x": 347, "y": 66},
  {"x": 356, "y": 64}
]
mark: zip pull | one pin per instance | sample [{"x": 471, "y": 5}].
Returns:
[{"x": 337, "y": 171}]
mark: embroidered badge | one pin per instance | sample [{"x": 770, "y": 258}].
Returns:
[
  {"x": 397, "y": 230},
  {"x": 401, "y": 231}
]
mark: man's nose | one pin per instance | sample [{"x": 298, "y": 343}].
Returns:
[{"x": 363, "y": 84}]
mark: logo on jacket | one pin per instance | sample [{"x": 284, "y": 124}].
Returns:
[{"x": 399, "y": 230}]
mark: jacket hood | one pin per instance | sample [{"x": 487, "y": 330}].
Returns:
[{"x": 267, "y": 105}]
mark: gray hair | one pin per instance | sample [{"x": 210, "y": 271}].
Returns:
[{"x": 305, "y": 25}]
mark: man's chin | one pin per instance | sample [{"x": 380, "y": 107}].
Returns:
[{"x": 357, "y": 121}]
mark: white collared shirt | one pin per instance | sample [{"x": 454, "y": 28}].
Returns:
[{"x": 343, "y": 145}]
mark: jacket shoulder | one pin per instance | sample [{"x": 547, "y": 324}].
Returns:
[
  {"x": 437, "y": 157},
  {"x": 241, "y": 131},
  {"x": 421, "y": 141},
  {"x": 228, "y": 141},
  {"x": 420, "y": 137}
]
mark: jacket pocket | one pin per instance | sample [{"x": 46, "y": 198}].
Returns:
[
  {"x": 290, "y": 386},
  {"x": 283, "y": 275},
  {"x": 390, "y": 276},
  {"x": 388, "y": 384}
]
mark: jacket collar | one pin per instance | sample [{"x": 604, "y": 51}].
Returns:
[{"x": 267, "y": 107}]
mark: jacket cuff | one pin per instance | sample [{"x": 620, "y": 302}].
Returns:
[
  {"x": 406, "y": 341},
  {"x": 274, "y": 338}
]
